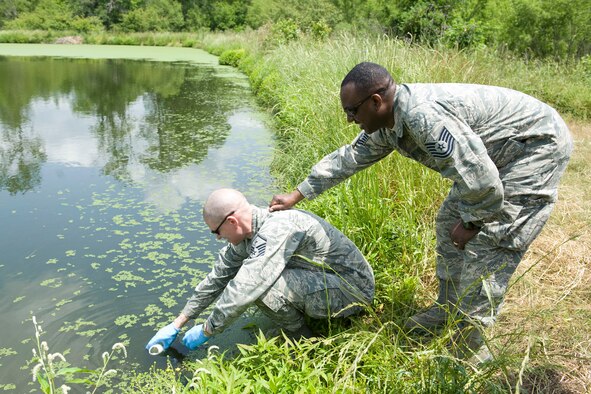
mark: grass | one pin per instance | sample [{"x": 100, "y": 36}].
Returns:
[
  {"x": 549, "y": 308},
  {"x": 541, "y": 342},
  {"x": 187, "y": 39}
]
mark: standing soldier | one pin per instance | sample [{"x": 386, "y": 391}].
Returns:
[
  {"x": 290, "y": 264},
  {"x": 505, "y": 153}
]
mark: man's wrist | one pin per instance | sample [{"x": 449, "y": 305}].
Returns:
[
  {"x": 470, "y": 226},
  {"x": 180, "y": 321},
  {"x": 206, "y": 330}
]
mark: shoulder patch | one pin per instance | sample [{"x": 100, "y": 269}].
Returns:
[
  {"x": 443, "y": 147},
  {"x": 361, "y": 139},
  {"x": 258, "y": 247}
]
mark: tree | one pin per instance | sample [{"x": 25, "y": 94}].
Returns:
[
  {"x": 47, "y": 15},
  {"x": 558, "y": 28},
  {"x": 11, "y": 9},
  {"x": 156, "y": 15},
  {"x": 54, "y": 15}
]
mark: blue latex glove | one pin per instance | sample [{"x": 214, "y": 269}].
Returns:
[
  {"x": 195, "y": 337},
  {"x": 165, "y": 336}
]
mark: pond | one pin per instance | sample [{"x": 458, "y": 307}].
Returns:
[{"x": 106, "y": 156}]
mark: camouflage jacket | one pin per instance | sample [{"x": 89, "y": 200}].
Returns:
[
  {"x": 468, "y": 133},
  {"x": 280, "y": 240}
]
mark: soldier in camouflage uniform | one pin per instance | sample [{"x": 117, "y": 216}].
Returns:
[
  {"x": 290, "y": 264},
  {"x": 504, "y": 151}
]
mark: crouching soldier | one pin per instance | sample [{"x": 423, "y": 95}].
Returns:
[{"x": 289, "y": 263}]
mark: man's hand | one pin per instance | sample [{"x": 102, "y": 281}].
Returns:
[
  {"x": 281, "y": 202},
  {"x": 165, "y": 337},
  {"x": 195, "y": 337},
  {"x": 460, "y": 235}
]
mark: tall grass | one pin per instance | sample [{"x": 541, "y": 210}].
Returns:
[{"x": 388, "y": 210}]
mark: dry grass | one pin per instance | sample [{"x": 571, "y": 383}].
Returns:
[{"x": 548, "y": 310}]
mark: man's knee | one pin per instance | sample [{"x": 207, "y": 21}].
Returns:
[
  {"x": 275, "y": 305},
  {"x": 331, "y": 303}
]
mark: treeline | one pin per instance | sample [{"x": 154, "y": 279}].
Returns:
[{"x": 534, "y": 28}]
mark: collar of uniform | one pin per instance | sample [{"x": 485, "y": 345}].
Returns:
[
  {"x": 398, "y": 129},
  {"x": 258, "y": 218}
]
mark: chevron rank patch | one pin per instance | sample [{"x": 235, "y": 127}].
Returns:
[
  {"x": 361, "y": 139},
  {"x": 443, "y": 147},
  {"x": 258, "y": 246}
]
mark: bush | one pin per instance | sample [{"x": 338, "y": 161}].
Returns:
[
  {"x": 55, "y": 15},
  {"x": 320, "y": 30},
  {"x": 26, "y": 37},
  {"x": 232, "y": 57},
  {"x": 451, "y": 22},
  {"x": 48, "y": 15},
  {"x": 464, "y": 34},
  {"x": 228, "y": 15},
  {"x": 158, "y": 15},
  {"x": 543, "y": 28},
  {"x": 284, "y": 31},
  {"x": 316, "y": 16},
  {"x": 87, "y": 25}
]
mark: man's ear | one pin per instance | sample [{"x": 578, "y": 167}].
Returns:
[{"x": 377, "y": 101}]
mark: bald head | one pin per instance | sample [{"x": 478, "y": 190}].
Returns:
[{"x": 221, "y": 202}]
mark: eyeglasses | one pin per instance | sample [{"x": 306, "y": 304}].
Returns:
[
  {"x": 217, "y": 230},
  {"x": 352, "y": 111}
]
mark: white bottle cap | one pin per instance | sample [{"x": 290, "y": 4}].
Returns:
[{"x": 156, "y": 349}]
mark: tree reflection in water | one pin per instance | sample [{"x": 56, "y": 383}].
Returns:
[{"x": 184, "y": 110}]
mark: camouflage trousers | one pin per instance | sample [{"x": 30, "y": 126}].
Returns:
[
  {"x": 319, "y": 295},
  {"x": 480, "y": 273}
]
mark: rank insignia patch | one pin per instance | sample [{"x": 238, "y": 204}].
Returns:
[
  {"x": 443, "y": 147},
  {"x": 258, "y": 246},
  {"x": 362, "y": 139}
]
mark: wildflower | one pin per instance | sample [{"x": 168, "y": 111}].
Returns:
[
  {"x": 121, "y": 346},
  {"x": 53, "y": 356},
  {"x": 210, "y": 351},
  {"x": 36, "y": 370},
  {"x": 110, "y": 372}
]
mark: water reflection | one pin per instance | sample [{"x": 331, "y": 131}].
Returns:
[
  {"x": 21, "y": 155},
  {"x": 116, "y": 114}
]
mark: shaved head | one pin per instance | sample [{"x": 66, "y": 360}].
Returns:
[{"x": 221, "y": 202}]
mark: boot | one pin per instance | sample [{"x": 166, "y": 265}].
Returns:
[
  {"x": 468, "y": 343},
  {"x": 438, "y": 314}
]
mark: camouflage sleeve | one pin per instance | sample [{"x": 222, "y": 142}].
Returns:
[
  {"x": 365, "y": 150},
  {"x": 461, "y": 156},
  {"x": 270, "y": 251},
  {"x": 225, "y": 268}
]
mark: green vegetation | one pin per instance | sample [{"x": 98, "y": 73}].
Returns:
[
  {"x": 530, "y": 28},
  {"x": 389, "y": 210},
  {"x": 53, "y": 372},
  {"x": 296, "y": 59}
]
